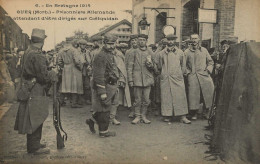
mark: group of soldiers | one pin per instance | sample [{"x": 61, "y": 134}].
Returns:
[{"x": 107, "y": 74}]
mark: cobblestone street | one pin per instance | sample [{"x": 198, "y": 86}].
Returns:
[{"x": 158, "y": 142}]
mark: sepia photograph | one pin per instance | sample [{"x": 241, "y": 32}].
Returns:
[{"x": 130, "y": 81}]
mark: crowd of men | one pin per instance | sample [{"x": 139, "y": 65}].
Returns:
[{"x": 106, "y": 74}]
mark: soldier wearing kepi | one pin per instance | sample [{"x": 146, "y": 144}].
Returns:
[
  {"x": 105, "y": 88},
  {"x": 200, "y": 85},
  {"x": 173, "y": 96},
  {"x": 140, "y": 77},
  {"x": 36, "y": 75}
]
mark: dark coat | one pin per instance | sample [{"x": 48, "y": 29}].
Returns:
[
  {"x": 35, "y": 66},
  {"x": 104, "y": 68}
]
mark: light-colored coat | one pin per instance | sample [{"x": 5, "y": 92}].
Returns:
[
  {"x": 72, "y": 82},
  {"x": 173, "y": 96},
  {"x": 124, "y": 93},
  {"x": 137, "y": 71},
  {"x": 199, "y": 64}
]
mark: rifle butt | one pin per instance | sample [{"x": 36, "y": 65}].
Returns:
[{"x": 60, "y": 142}]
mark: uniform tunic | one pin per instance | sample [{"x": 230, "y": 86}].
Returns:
[
  {"x": 173, "y": 96},
  {"x": 104, "y": 67},
  {"x": 199, "y": 65},
  {"x": 137, "y": 71}
]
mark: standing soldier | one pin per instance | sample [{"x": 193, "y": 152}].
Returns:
[
  {"x": 34, "y": 72},
  {"x": 141, "y": 78},
  {"x": 97, "y": 41},
  {"x": 105, "y": 88},
  {"x": 173, "y": 96},
  {"x": 199, "y": 67},
  {"x": 85, "y": 59},
  {"x": 130, "y": 52},
  {"x": 123, "y": 88},
  {"x": 72, "y": 83}
]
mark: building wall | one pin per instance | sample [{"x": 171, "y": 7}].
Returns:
[
  {"x": 138, "y": 12},
  {"x": 224, "y": 29},
  {"x": 123, "y": 32}
]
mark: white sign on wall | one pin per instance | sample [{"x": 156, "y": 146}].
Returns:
[{"x": 207, "y": 15}]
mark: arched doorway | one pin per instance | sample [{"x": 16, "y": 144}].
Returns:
[
  {"x": 190, "y": 18},
  {"x": 160, "y": 23}
]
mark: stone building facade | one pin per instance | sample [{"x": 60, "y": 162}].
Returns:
[{"x": 233, "y": 18}]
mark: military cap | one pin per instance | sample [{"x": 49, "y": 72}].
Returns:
[
  {"x": 171, "y": 36},
  {"x": 152, "y": 45},
  {"x": 187, "y": 41},
  {"x": 143, "y": 36},
  {"x": 90, "y": 44},
  {"x": 133, "y": 36},
  {"x": 96, "y": 38},
  {"x": 38, "y": 33},
  {"x": 75, "y": 41},
  {"x": 110, "y": 38},
  {"x": 122, "y": 45},
  {"x": 82, "y": 41},
  {"x": 164, "y": 41},
  {"x": 224, "y": 42}
]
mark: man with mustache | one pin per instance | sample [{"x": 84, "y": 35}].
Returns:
[
  {"x": 105, "y": 88},
  {"x": 200, "y": 85},
  {"x": 173, "y": 96}
]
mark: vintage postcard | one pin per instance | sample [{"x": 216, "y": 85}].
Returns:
[{"x": 129, "y": 81}]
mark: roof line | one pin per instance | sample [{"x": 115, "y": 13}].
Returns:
[{"x": 112, "y": 27}]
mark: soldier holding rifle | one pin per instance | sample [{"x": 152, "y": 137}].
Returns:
[{"x": 35, "y": 76}]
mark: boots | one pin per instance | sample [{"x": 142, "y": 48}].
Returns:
[
  {"x": 144, "y": 119},
  {"x": 107, "y": 134},
  {"x": 136, "y": 120},
  {"x": 91, "y": 124},
  {"x": 114, "y": 121},
  {"x": 113, "y": 116},
  {"x": 137, "y": 115},
  {"x": 132, "y": 113},
  {"x": 185, "y": 120}
]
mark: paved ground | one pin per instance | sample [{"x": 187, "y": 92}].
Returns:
[{"x": 158, "y": 142}]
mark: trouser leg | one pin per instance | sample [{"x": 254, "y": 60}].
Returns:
[
  {"x": 103, "y": 121},
  {"x": 74, "y": 98},
  {"x": 145, "y": 103},
  {"x": 138, "y": 100},
  {"x": 33, "y": 140}
]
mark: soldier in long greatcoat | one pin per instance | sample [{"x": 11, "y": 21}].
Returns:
[
  {"x": 123, "y": 88},
  {"x": 173, "y": 96},
  {"x": 35, "y": 72},
  {"x": 70, "y": 61},
  {"x": 200, "y": 85}
]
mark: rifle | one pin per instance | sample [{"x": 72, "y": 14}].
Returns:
[{"x": 56, "y": 119}]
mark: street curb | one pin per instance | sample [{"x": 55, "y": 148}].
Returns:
[{"x": 4, "y": 108}]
